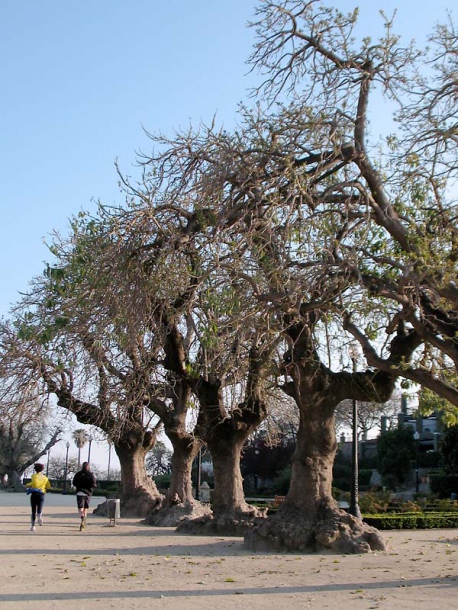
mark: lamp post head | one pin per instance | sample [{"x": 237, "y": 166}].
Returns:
[
  {"x": 67, "y": 444},
  {"x": 416, "y": 436}
]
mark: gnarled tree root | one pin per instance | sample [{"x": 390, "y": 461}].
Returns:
[
  {"x": 230, "y": 525},
  {"x": 337, "y": 532},
  {"x": 172, "y": 515},
  {"x": 138, "y": 505}
]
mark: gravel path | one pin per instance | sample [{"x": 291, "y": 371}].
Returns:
[{"x": 132, "y": 567}]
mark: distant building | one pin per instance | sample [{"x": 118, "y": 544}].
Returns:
[{"x": 429, "y": 428}]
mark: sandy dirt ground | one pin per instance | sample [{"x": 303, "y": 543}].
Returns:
[{"x": 132, "y": 566}]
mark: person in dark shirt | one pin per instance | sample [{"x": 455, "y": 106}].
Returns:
[{"x": 84, "y": 482}]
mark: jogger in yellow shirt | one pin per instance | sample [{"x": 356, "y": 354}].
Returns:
[{"x": 37, "y": 488}]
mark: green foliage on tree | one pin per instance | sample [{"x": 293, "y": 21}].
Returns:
[
  {"x": 449, "y": 451},
  {"x": 429, "y": 403}
]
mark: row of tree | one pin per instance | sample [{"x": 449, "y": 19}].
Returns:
[
  {"x": 28, "y": 431},
  {"x": 244, "y": 266}
]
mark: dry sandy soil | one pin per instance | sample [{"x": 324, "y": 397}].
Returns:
[{"x": 132, "y": 566}]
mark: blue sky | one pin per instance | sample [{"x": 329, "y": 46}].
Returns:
[{"x": 80, "y": 80}]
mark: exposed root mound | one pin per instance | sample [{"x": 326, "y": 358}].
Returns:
[
  {"x": 101, "y": 510},
  {"x": 222, "y": 526},
  {"x": 171, "y": 516},
  {"x": 291, "y": 531},
  {"x": 138, "y": 505}
]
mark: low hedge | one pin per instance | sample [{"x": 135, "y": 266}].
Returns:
[{"x": 410, "y": 521}]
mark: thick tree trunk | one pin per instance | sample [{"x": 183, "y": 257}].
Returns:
[
  {"x": 131, "y": 441},
  {"x": 179, "y": 503},
  {"x": 185, "y": 449},
  {"x": 309, "y": 519},
  {"x": 312, "y": 463},
  {"x": 138, "y": 492},
  {"x": 14, "y": 479},
  {"x": 225, "y": 435},
  {"x": 232, "y": 516},
  {"x": 228, "y": 500}
]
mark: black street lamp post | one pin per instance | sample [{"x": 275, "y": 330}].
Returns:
[
  {"x": 47, "y": 463},
  {"x": 109, "y": 461},
  {"x": 354, "y": 503},
  {"x": 198, "y": 473},
  {"x": 66, "y": 468},
  {"x": 255, "y": 476},
  {"x": 89, "y": 450},
  {"x": 417, "y": 451}
]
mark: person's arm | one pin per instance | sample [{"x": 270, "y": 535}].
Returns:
[
  {"x": 31, "y": 483},
  {"x": 48, "y": 484}
]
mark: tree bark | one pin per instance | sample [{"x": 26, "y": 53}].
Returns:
[
  {"x": 310, "y": 519},
  {"x": 313, "y": 461},
  {"x": 138, "y": 491},
  {"x": 14, "y": 479},
  {"x": 225, "y": 434},
  {"x": 225, "y": 445},
  {"x": 185, "y": 448},
  {"x": 179, "y": 503}
]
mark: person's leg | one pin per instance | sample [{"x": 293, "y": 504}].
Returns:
[
  {"x": 86, "y": 506},
  {"x": 81, "y": 500},
  {"x": 86, "y": 500},
  {"x": 40, "y": 504},
  {"x": 33, "y": 504}
]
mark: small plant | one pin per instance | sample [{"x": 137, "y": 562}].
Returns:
[
  {"x": 375, "y": 502},
  {"x": 443, "y": 505},
  {"x": 409, "y": 507}
]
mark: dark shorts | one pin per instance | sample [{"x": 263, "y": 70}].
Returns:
[{"x": 83, "y": 501}]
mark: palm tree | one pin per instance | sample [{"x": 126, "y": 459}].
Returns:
[{"x": 80, "y": 437}]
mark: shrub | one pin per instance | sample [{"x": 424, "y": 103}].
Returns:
[
  {"x": 373, "y": 502},
  {"x": 339, "y": 494},
  {"x": 449, "y": 450},
  {"x": 395, "y": 451},
  {"x": 444, "y": 485},
  {"x": 392, "y": 521},
  {"x": 163, "y": 481},
  {"x": 442, "y": 505},
  {"x": 281, "y": 484},
  {"x": 365, "y": 475},
  {"x": 408, "y": 506}
]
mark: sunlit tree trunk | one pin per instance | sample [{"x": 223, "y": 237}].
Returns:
[
  {"x": 138, "y": 491},
  {"x": 185, "y": 449},
  {"x": 225, "y": 445},
  {"x": 225, "y": 434},
  {"x": 309, "y": 517}
]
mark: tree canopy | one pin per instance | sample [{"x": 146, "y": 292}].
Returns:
[{"x": 26, "y": 431}]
